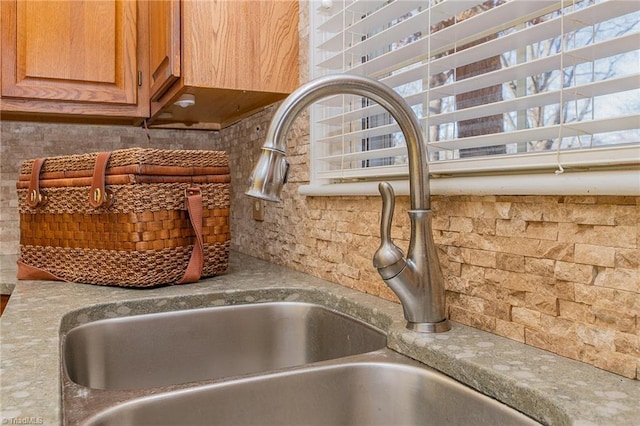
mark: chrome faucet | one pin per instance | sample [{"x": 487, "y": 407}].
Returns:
[{"x": 417, "y": 278}]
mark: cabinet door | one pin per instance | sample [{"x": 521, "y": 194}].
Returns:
[
  {"x": 70, "y": 50},
  {"x": 241, "y": 45},
  {"x": 164, "y": 45}
]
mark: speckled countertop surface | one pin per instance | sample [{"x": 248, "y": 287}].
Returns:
[{"x": 549, "y": 388}]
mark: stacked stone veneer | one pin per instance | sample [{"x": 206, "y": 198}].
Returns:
[{"x": 559, "y": 273}]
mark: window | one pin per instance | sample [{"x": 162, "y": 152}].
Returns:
[{"x": 520, "y": 87}]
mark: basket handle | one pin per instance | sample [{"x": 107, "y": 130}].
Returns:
[
  {"x": 34, "y": 196},
  {"x": 196, "y": 262},
  {"x": 99, "y": 195}
]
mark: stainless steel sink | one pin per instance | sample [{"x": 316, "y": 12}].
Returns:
[
  {"x": 381, "y": 388},
  {"x": 172, "y": 348}
]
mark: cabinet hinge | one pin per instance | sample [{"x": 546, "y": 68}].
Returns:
[{"x": 140, "y": 78}]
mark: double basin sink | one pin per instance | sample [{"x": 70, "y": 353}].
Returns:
[{"x": 273, "y": 363}]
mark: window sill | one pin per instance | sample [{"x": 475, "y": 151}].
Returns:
[{"x": 601, "y": 182}]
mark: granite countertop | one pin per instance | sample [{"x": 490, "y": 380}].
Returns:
[{"x": 552, "y": 389}]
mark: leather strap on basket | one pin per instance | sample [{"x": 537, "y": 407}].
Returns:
[
  {"x": 98, "y": 194},
  {"x": 34, "y": 196},
  {"x": 28, "y": 272},
  {"x": 196, "y": 262}
]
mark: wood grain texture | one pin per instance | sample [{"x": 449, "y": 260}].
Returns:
[
  {"x": 67, "y": 41},
  {"x": 164, "y": 45},
  {"x": 279, "y": 46},
  {"x": 78, "y": 90},
  {"x": 237, "y": 57},
  {"x": 70, "y": 50},
  {"x": 241, "y": 45}
]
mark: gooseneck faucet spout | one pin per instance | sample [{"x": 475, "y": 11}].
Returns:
[{"x": 417, "y": 278}]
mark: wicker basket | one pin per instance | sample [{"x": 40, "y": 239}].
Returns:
[{"x": 133, "y": 217}]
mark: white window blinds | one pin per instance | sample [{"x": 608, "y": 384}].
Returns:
[{"x": 498, "y": 86}]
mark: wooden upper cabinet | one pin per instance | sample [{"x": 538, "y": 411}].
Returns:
[
  {"x": 247, "y": 45},
  {"x": 126, "y": 60},
  {"x": 164, "y": 45},
  {"x": 73, "y": 57},
  {"x": 236, "y": 57}
]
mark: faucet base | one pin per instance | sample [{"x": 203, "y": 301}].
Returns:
[{"x": 429, "y": 327}]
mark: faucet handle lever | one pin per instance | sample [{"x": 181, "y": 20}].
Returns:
[
  {"x": 388, "y": 205},
  {"x": 285, "y": 170},
  {"x": 388, "y": 259}
]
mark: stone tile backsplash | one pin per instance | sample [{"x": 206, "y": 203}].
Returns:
[{"x": 557, "y": 272}]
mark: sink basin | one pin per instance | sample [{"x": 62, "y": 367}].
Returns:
[
  {"x": 179, "y": 347},
  {"x": 376, "y": 389}
]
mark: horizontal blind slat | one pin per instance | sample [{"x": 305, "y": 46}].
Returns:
[
  {"x": 594, "y": 157},
  {"x": 628, "y": 122},
  {"x": 589, "y": 90}
]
